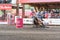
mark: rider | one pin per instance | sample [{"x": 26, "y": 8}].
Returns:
[{"x": 39, "y": 14}]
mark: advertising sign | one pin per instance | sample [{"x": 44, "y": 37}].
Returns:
[
  {"x": 49, "y": 21},
  {"x": 28, "y": 20},
  {"x": 53, "y": 21},
  {"x": 5, "y": 6}
]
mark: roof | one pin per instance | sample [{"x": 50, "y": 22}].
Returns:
[{"x": 38, "y": 1}]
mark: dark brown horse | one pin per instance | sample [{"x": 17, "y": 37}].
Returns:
[{"x": 38, "y": 22}]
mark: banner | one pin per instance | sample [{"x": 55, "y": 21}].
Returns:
[
  {"x": 52, "y": 21},
  {"x": 5, "y": 6}
]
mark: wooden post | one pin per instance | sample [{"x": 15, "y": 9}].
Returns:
[
  {"x": 4, "y": 10},
  {"x": 23, "y": 11},
  {"x": 17, "y": 9}
]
